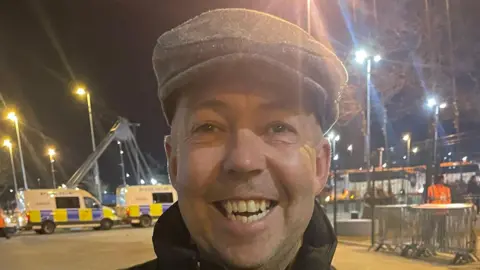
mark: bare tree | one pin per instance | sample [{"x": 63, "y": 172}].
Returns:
[{"x": 430, "y": 49}]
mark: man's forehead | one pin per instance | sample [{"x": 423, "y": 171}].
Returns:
[{"x": 264, "y": 96}]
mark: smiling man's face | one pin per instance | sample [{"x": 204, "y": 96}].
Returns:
[{"x": 247, "y": 161}]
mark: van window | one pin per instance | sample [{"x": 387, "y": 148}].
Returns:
[
  {"x": 67, "y": 202},
  {"x": 162, "y": 197},
  {"x": 91, "y": 203}
]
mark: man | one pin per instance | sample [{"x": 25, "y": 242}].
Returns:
[
  {"x": 439, "y": 193},
  {"x": 248, "y": 97}
]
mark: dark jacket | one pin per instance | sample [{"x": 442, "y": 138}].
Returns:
[{"x": 174, "y": 248}]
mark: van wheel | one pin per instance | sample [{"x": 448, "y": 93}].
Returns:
[
  {"x": 106, "y": 224},
  {"x": 145, "y": 221},
  {"x": 48, "y": 227},
  {"x": 39, "y": 231}
]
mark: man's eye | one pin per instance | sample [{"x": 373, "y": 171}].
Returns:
[
  {"x": 278, "y": 128},
  {"x": 205, "y": 128}
]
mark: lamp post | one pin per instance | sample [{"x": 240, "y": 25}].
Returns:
[
  {"x": 12, "y": 116},
  {"x": 408, "y": 139},
  {"x": 7, "y": 143},
  {"x": 122, "y": 163},
  {"x": 334, "y": 138},
  {"x": 436, "y": 106},
  {"x": 361, "y": 57},
  {"x": 82, "y": 92},
  {"x": 51, "y": 154}
]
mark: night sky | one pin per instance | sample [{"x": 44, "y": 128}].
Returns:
[{"x": 45, "y": 46}]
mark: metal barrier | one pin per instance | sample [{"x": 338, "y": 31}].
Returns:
[
  {"x": 393, "y": 229},
  {"x": 424, "y": 230}
]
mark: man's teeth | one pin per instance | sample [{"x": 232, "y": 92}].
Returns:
[{"x": 234, "y": 207}]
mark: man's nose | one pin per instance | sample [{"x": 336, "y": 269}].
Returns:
[{"x": 244, "y": 153}]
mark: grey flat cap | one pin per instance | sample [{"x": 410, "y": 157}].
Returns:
[{"x": 223, "y": 37}]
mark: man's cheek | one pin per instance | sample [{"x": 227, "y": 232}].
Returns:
[{"x": 196, "y": 170}]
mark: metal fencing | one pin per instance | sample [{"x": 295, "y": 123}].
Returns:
[{"x": 424, "y": 230}]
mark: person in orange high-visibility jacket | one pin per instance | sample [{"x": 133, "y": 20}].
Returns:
[
  {"x": 3, "y": 226},
  {"x": 439, "y": 193}
]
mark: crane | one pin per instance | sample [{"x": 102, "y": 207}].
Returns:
[{"x": 121, "y": 131}]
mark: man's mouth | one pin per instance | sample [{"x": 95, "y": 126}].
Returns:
[{"x": 245, "y": 211}]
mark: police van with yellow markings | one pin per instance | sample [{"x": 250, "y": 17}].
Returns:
[
  {"x": 142, "y": 205},
  {"x": 47, "y": 209}
]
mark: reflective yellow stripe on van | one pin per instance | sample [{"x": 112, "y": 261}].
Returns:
[{"x": 153, "y": 210}]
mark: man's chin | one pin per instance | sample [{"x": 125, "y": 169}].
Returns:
[{"x": 249, "y": 256}]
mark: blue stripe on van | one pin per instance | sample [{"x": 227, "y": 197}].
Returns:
[
  {"x": 145, "y": 209},
  {"x": 72, "y": 215},
  {"x": 46, "y": 215},
  {"x": 165, "y": 206},
  {"x": 97, "y": 214}
]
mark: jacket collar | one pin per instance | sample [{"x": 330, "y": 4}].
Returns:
[{"x": 173, "y": 245}]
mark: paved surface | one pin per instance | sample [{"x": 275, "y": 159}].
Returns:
[{"x": 120, "y": 248}]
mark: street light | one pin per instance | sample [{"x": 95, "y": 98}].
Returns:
[
  {"x": 7, "y": 143},
  {"x": 82, "y": 92},
  {"x": 361, "y": 56},
  {"x": 334, "y": 138},
  {"x": 12, "y": 116},
  {"x": 415, "y": 150},
  {"x": 408, "y": 139},
  {"x": 433, "y": 103},
  {"x": 122, "y": 163},
  {"x": 51, "y": 154}
]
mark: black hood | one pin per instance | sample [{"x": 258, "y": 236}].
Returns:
[{"x": 174, "y": 246}]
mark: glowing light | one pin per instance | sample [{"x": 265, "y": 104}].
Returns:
[
  {"x": 51, "y": 152},
  {"x": 360, "y": 56},
  {"x": 431, "y": 102},
  {"x": 7, "y": 143},
  {"x": 153, "y": 181},
  {"x": 377, "y": 58},
  {"x": 335, "y": 157},
  {"x": 464, "y": 159},
  {"x": 12, "y": 116},
  {"x": 142, "y": 181},
  {"x": 443, "y": 105},
  {"x": 80, "y": 91},
  {"x": 415, "y": 150},
  {"x": 350, "y": 148},
  {"x": 406, "y": 137}
]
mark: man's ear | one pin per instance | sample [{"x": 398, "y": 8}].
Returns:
[
  {"x": 170, "y": 152},
  {"x": 322, "y": 165}
]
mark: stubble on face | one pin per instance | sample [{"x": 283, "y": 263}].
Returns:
[{"x": 247, "y": 142}]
